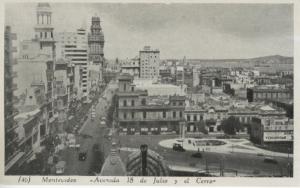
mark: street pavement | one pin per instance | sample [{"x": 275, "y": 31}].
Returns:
[
  {"x": 90, "y": 133},
  {"x": 244, "y": 163}
]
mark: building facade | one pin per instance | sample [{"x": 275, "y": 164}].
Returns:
[
  {"x": 132, "y": 67},
  {"x": 96, "y": 45},
  {"x": 139, "y": 113},
  {"x": 268, "y": 93},
  {"x": 270, "y": 129},
  {"x": 149, "y": 62},
  {"x": 74, "y": 45},
  {"x": 12, "y": 152}
]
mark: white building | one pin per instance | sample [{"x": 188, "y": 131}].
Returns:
[
  {"x": 149, "y": 63},
  {"x": 131, "y": 66},
  {"x": 74, "y": 45}
]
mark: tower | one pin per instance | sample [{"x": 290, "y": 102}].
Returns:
[
  {"x": 43, "y": 29},
  {"x": 44, "y": 35},
  {"x": 96, "y": 42},
  {"x": 96, "y": 45}
]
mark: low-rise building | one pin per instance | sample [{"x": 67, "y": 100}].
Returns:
[
  {"x": 139, "y": 113},
  {"x": 268, "y": 93},
  {"x": 268, "y": 129}
]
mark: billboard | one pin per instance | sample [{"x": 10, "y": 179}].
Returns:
[{"x": 278, "y": 136}]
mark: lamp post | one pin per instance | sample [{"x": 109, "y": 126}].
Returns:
[{"x": 144, "y": 149}]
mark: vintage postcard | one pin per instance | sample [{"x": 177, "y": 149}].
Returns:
[{"x": 149, "y": 93}]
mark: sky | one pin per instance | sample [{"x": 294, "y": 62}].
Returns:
[{"x": 204, "y": 31}]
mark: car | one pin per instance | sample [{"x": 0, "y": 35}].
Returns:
[
  {"x": 197, "y": 155},
  {"x": 178, "y": 147},
  {"x": 82, "y": 156},
  {"x": 270, "y": 160}
]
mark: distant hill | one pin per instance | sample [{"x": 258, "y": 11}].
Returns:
[
  {"x": 274, "y": 59},
  {"x": 273, "y": 62}
]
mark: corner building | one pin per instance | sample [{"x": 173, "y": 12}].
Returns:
[{"x": 139, "y": 113}]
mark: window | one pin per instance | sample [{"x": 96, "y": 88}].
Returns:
[
  {"x": 201, "y": 117},
  {"x": 124, "y": 103},
  {"x": 132, "y": 115},
  {"x": 144, "y": 115},
  {"x": 180, "y": 103},
  {"x": 195, "y": 117},
  {"x": 124, "y": 87},
  {"x": 51, "y": 34},
  {"x": 132, "y": 103},
  {"x": 174, "y": 114},
  {"x": 180, "y": 114},
  {"x": 132, "y": 88},
  {"x": 143, "y": 101},
  {"x": 41, "y": 35},
  {"x": 188, "y": 118},
  {"x": 174, "y": 103},
  {"x": 164, "y": 114},
  {"x": 125, "y": 115}
]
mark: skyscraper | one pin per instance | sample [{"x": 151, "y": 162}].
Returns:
[
  {"x": 96, "y": 44},
  {"x": 74, "y": 45},
  {"x": 149, "y": 62}
]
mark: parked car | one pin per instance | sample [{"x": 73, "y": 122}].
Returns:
[
  {"x": 270, "y": 160},
  {"x": 197, "y": 155},
  {"x": 82, "y": 156},
  {"x": 178, "y": 147}
]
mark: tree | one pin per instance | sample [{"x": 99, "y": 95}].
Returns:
[{"x": 231, "y": 125}]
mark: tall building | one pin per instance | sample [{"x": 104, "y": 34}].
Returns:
[
  {"x": 149, "y": 63},
  {"x": 74, "y": 45},
  {"x": 11, "y": 138},
  {"x": 37, "y": 56},
  {"x": 96, "y": 42},
  {"x": 96, "y": 45},
  {"x": 44, "y": 29}
]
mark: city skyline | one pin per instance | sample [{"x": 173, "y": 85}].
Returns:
[{"x": 225, "y": 33}]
